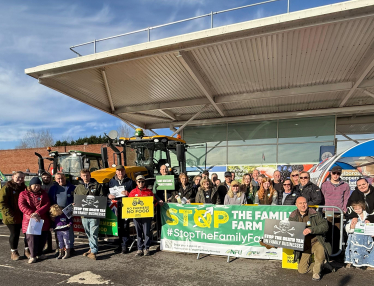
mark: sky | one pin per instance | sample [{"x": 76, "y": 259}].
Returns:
[{"x": 33, "y": 33}]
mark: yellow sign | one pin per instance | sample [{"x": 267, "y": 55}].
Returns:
[
  {"x": 287, "y": 259},
  {"x": 137, "y": 207}
]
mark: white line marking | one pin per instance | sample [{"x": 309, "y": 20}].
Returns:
[
  {"x": 7, "y": 266},
  {"x": 23, "y": 269}
]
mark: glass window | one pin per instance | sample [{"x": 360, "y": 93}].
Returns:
[
  {"x": 307, "y": 130},
  {"x": 94, "y": 165},
  {"x": 216, "y": 156},
  {"x": 196, "y": 157},
  {"x": 250, "y": 155},
  {"x": 213, "y": 135},
  {"x": 305, "y": 153},
  {"x": 263, "y": 132}
]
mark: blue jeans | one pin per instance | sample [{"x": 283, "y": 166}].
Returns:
[{"x": 91, "y": 228}]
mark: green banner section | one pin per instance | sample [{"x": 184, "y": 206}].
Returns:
[
  {"x": 165, "y": 182},
  {"x": 218, "y": 229},
  {"x": 109, "y": 225}
]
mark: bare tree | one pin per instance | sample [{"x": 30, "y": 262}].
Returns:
[
  {"x": 36, "y": 139},
  {"x": 125, "y": 130}
]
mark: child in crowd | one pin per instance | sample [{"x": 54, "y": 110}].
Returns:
[
  {"x": 359, "y": 251},
  {"x": 62, "y": 226}
]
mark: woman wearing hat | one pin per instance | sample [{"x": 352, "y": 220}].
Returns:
[
  {"x": 34, "y": 203},
  {"x": 12, "y": 216},
  {"x": 142, "y": 225},
  {"x": 234, "y": 195}
]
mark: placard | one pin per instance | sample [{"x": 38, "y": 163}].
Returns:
[
  {"x": 165, "y": 182},
  {"x": 288, "y": 258},
  {"x": 117, "y": 191},
  {"x": 284, "y": 234},
  {"x": 90, "y": 206},
  {"x": 137, "y": 207},
  {"x": 68, "y": 211},
  {"x": 369, "y": 229}
]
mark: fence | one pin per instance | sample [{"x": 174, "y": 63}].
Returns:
[{"x": 148, "y": 30}]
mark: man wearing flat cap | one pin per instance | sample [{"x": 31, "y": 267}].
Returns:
[{"x": 122, "y": 181}]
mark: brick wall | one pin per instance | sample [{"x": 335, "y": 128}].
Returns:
[{"x": 22, "y": 159}]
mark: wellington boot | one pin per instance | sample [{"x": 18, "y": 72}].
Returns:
[
  {"x": 60, "y": 254},
  {"x": 67, "y": 253}
]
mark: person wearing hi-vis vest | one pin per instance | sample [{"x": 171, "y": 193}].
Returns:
[
  {"x": 142, "y": 225},
  {"x": 91, "y": 226}
]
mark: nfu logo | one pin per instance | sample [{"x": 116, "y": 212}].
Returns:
[
  {"x": 234, "y": 252},
  {"x": 249, "y": 253}
]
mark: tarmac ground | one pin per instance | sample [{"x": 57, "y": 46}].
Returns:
[{"x": 160, "y": 268}]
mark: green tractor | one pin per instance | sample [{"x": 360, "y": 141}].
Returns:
[{"x": 70, "y": 163}]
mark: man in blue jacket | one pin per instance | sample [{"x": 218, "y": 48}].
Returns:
[
  {"x": 126, "y": 185},
  {"x": 62, "y": 194}
]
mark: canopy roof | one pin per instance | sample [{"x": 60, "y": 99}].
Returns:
[{"x": 307, "y": 63}]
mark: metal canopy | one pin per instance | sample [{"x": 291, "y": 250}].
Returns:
[{"x": 313, "y": 62}]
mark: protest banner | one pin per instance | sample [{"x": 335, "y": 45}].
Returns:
[
  {"x": 108, "y": 225},
  {"x": 231, "y": 230},
  {"x": 137, "y": 207},
  {"x": 90, "y": 206},
  {"x": 284, "y": 233}
]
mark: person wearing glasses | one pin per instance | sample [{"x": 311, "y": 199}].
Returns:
[
  {"x": 142, "y": 225},
  {"x": 266, "y": 195},
  {"x": 288, "y": 196},
  {"x": 308, "y": 190},
  {"x": 295, "y": 178},
  {"x": 234, "y": 196},
  {"x": 336, "y": 193}
]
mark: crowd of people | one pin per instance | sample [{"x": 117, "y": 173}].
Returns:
[{"x": 44, "y": 200}]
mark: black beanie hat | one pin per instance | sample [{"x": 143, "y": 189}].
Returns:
[{"x": 35, "y": 181}]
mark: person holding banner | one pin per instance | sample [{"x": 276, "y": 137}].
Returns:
[
  {"x": 266, "y": 195},
  {"x": 359, "y": 251},
  {"x": 34, "y": 204},
  {"x": 234, "y": 195},
  {"x": 314, "y": 242},
  {"x": 91, "y": 226},
  {"x": 184, "y": 190},
  {"x": 12, "y": 216},
  {"x": 207, "y": 193},
  {"x": 142, "y": 225},
  {"x": 247, "y": 188},
  {"x": 224, "y": 187},
  {"x": 122, "y": 183}
]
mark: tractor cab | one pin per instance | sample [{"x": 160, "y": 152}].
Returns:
[
  {"x": 143, "y": 155},
  {"x": 70, "y": 163}
]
